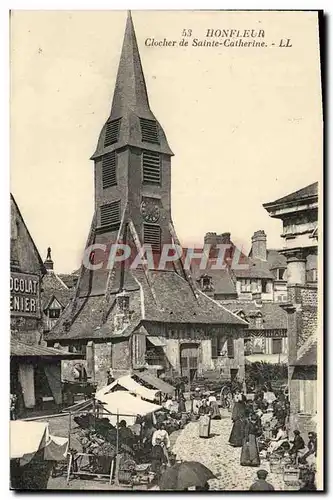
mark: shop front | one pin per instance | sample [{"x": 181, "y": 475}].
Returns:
[{"x": 35, "y": 378}]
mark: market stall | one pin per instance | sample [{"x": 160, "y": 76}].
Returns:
[
  {"x": 149, "y": 380},
  {"x": 33, "y": 453},
  {"x": 129, "y": 384},
  {"x": 123, "y": 403},
  {"x": 109, "y": 432}
]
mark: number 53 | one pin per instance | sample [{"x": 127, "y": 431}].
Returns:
[{"x": 187, "y": 32}]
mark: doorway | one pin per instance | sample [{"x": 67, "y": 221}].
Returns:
[{"x": 189, "y": 361}]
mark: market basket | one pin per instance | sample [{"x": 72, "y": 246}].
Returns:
[
  {"x": 276, "y": 465},
  {"x": 291, "y": 474},
  {"x": 291, "y": 485}
]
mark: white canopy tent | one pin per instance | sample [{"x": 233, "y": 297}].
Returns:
[
  {"x": 130, "y": 385},
  {"x": 26, "y": 438},
  {"x": 126, "y": 406}
]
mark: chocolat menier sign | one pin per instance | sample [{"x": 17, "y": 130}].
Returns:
[{"x": 24, "y": 295}]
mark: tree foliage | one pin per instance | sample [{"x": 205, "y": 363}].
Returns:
[{"x": 262, "y": 373}]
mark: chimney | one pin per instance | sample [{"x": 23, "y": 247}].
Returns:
[
  {"x": 225, "y": 238},
  {"x": 259, "y": 245},
  {"x": 48, "y": 263},
  {"x": 210, "y": 239},
  {"x": 214, "y": 239}
]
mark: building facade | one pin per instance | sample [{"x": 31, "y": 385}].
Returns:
[
  {"x": 35, "y": 370},
  {"x": 253, "y": 293},
  {"x": 55, "y": 294},
  {"x": 123, "y": 318},
  {"x": 299, "y": 214}
]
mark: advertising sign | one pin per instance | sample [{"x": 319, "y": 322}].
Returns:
[{"x": 24, "y": 295}]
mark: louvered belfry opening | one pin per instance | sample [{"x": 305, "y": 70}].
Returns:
[
  {"x": 151, "y": 167},
  {"x": 149, "y": 131},
  {"x": 152, "y": 236},
  {"x": 109, "y": 170},
  {"x": 110, "y": 213},
  {"x": 112, "y": 132}
]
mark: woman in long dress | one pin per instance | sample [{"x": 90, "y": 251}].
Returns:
[
  {"x": 281, "y": 437},
  {"x": 238, "y": 417},
  {"x": 181, "y": 403},
  {"x": 250, "y": 454}
]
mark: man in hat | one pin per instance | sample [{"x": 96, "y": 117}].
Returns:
[{"x": 261, "y": 484}]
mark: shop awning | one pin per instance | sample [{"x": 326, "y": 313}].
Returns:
[
  {"x": 155, "y": 382},
  {"x": 127, "y": 407},
  {"x": 156, "y": 341},
  {"x": 130, "y": 385},
  {"x": 26, "y": 438}
]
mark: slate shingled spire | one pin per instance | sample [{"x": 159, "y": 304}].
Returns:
[
  {"x": 130, "y": 89},
  {"x": 130, "y": 103}
]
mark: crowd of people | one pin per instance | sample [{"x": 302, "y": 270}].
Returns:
[
  {"x": 205, "y": 404},
  {"x": 260, "y": 430}
]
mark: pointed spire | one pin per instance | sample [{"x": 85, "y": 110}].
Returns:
[
  {"x": 130, "y": 104},
  {"x": 130, "y": 90}
]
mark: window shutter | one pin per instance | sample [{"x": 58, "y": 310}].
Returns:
[
  {"x": 149, "y": 131},
  {"x": 109, "y": 170},
  {"x": 110, "y": 213},
  {"x": 214, "y": 347},
  {"x": 152, "y": 236},
  {"x": 230, "y": 348},
  {"x": 151, "y": 167},
  {"x": 112, "y": 132}
]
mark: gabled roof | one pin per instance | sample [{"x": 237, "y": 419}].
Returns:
[
  {"x": 274, "y": 317},
  {"x": 176, "y": 304},
  {"x": 309, "y": 191},
  {"x": 53, "y": 286},
  {"x": 69, "y": 279},
  {"x": 19, "y": 349},
  {"x": 221, "y": 278},
  {"x": 256, "y": 269},
  {"x": 276, "y": 260},
  {"x": 224, "y": 279},
  {"x": 16, "y": 213},
  {"x": 153, "y": 381}
]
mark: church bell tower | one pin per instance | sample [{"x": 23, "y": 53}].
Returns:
[{"x": 132, "y": 159}]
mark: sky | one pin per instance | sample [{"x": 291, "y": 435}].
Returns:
[{"x": 245, "y": 124}]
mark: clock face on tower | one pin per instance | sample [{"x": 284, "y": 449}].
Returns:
[{"x": 150, "y": 210}]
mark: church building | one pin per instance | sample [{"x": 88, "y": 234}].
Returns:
[{"x": 127, "y": 319}]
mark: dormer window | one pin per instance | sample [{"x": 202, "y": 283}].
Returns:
[
  {"x": 206, "y": 283},
  {"x": 280, "y": 274},
  {"x": 265, "y": 286},
  {"x": 54, "y": 313}
]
